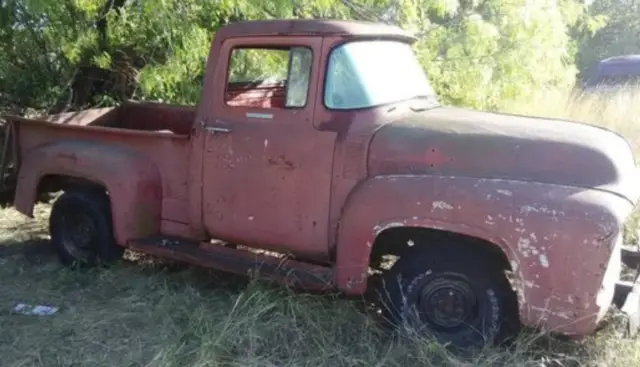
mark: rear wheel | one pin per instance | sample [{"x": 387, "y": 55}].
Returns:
[
  {"x": 452, "y": 292},
  {"x": 81, "y": 229}
]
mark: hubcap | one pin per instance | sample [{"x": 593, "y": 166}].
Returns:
[{"x": 447, "y": 302}]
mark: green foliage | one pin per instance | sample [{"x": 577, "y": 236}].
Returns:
[
  {"x": 477, "y": 53},
  {"x": 248, "y": 65},
  {"x": 482, "y": 53}
]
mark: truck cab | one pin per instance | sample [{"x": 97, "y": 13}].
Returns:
[
  {"x": 320, "y": 156},
  {"x": 279, "y": 130}
]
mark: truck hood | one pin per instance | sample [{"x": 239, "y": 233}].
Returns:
[{"x": 458, "y": 142}]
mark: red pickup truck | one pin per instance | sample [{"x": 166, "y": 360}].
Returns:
[{"x": 320, "y": 156}]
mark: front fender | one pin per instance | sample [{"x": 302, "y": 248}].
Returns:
[
  {"x": 133, "y": 182},
  {"x": 384, "y": 202},
  {"x": 556, "y": 238}
]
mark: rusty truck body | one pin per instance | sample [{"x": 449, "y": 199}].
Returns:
[{"x": 334, "y": 152}]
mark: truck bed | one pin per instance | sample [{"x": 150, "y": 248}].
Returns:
[
  {"x": 160, "y": 132},
  {"x": 157, "y": 117}
]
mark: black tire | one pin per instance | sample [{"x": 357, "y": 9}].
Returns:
[
  {"x": 482, "y": 306},
  {"x": 81, "y": 229}
]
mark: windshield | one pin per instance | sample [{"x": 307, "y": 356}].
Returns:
[{"x": 364, "y": 74}]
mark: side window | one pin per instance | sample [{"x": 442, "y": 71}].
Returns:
[{"x": 269, "y": 77}]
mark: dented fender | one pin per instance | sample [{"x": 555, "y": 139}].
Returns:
[
  {"x": 558, "y": 239},
  {"x": 133, "y": 182}
]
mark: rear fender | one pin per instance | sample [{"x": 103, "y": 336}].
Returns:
[{"x": 133, "y": 182}]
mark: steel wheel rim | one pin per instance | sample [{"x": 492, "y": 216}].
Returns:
[
  {"x": 77, "y": 232},
  {"x": 447, "y": 302}
]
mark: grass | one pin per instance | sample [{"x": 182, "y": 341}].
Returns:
[{"x": 149, "y": 313}]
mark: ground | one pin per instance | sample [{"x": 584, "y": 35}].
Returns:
[{"x": 145, "y": 312}]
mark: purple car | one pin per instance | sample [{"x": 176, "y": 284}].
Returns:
[{"x": 613, "y": 73}]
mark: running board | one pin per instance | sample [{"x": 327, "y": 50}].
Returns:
[{"x": 292, "y": 273}]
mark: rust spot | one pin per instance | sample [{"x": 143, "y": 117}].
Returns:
[
  {"x": 281, "y": 161},
  {"x": 435, "y": 158}
]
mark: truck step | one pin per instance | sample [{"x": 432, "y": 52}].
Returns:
[{"x": 290, "y": 272}]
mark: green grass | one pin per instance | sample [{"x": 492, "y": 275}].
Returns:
[{"x": 144, "y": 312}]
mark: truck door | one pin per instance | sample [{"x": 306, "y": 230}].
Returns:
[{"x": 267, "y": 171}]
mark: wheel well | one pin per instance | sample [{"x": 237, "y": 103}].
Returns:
[
  {"x": 396, "y": 242},
  {"x": 50, "y": 185}
]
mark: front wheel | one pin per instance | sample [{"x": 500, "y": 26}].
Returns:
[
  {"x": 455, "y": 293},
  {"x": 81, "y": 229}
]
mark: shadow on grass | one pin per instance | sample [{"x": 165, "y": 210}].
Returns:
[{"x": 34, "y": 251}]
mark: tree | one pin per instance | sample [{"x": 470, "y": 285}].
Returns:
[{"x": 79, "y": 53}]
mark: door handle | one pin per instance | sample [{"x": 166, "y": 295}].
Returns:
[{"x": 217, "y": 130}]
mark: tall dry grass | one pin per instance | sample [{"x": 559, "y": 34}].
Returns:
[{"x": 618, "y": 111}]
